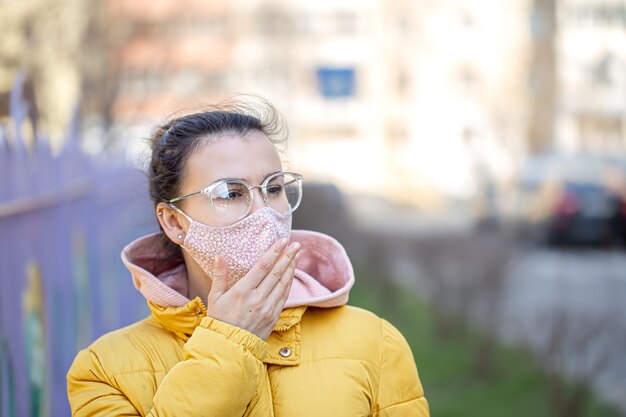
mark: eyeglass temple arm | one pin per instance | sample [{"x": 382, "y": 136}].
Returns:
[{"x": 173, "y": 200}]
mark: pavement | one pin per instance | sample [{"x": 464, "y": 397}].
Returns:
[{"x": 588, "y": 286}]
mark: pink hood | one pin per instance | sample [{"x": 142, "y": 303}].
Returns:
[{"x": 323, "y": 276}]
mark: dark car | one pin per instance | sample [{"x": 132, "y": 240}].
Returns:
[
  {"x": 572, "y": 200},
  {"x": 585, "y": 213}
]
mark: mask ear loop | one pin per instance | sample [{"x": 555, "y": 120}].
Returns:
[{"x": 173, "y": 207}]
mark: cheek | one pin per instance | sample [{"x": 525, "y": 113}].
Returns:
[{"x": 199, "y": 208}]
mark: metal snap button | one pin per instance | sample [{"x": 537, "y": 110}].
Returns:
[
  {"x": 198, "y": 311},
  {"x": 284, "y": 352}
]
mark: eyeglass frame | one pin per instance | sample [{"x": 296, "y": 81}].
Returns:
[{"x": 263, "y": 186}]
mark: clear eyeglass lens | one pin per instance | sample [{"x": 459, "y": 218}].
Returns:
[
  {"x": 230, "y": 200},
  {"x": 283, "y": 193}
]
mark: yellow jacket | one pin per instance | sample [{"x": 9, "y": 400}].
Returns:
[{"x": 320, "y": 360}]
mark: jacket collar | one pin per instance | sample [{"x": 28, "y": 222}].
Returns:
[{"x": 323, "y": 278}]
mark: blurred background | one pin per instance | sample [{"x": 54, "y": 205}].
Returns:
[{"x": 470, "y": 156}]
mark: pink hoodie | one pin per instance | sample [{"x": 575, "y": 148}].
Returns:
[{"x": 323, "y": 276}]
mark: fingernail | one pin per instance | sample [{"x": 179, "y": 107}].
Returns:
[
  {"x": 217, "y": 260},
  {"x": 283, "y": 241},
  {"x": 295, "y": 246}
]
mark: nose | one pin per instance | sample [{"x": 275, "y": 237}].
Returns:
[{"x": 257, "y": 202}]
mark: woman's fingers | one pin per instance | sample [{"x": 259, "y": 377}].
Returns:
[
  {"x": 255, "y": 302},
  {"x": 280, "y": 293},
  {"x": 263, "y": 266},
  {"x": 219, "y": 278},
  {"x": 278, "y": 271}
]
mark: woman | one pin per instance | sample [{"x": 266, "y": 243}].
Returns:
[{"x": 248, "y": 317}]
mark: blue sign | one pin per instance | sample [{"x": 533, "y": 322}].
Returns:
[{"x": 336, "y": 82}]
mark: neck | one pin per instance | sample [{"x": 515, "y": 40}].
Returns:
[{"x": 199, "y": 281}]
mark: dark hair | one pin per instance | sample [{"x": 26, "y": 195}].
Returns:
[{"x": 175, "y": 141}]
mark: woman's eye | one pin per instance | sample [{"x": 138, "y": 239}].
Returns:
[
  {"x": 230, "y": 195},
  {"x": 234, "y": 194},
  {"x": 274, "y": 189}
]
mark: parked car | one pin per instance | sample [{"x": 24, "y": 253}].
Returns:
[
  {"x": 584, "y": 213},
  {"x": 572, "y": 200}
]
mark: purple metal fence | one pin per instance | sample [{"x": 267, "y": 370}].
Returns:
[{"x": 63, "y": 222}]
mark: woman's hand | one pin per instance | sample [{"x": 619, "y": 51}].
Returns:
[{"x": 255, "y": 302}]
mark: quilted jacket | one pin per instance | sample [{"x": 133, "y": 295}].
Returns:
[{"x": 323, "y": 358}]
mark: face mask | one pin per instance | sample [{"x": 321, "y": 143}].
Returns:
[{"x": 240, "y": 244}]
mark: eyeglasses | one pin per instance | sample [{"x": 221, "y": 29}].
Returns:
[{"x": 231, "y": 199}]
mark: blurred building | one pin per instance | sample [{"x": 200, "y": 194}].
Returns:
[
  {"x": 591, "y": 76},
  {"x": 408, "y": 99},
  {"x": 400, "y": 98},
  {"x": 466, "y": 104},
  {"x": 405, "y": 99}
]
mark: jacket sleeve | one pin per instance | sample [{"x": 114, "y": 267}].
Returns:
[
  {"x": 218, "y": 376},
  {"x": 400, "y": 390}
]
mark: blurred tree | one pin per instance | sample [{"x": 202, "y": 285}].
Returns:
[
  {"x": 574, "y": 349},
  {"x": 465, "y": 273},
  {"x": 44, "y": 38},
  {"x": 101, "y": 70}
]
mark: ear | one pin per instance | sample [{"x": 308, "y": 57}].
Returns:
[{"x": 173, "y": 223}]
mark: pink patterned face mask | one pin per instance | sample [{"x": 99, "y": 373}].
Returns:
[{"x": 241, "y": 244}]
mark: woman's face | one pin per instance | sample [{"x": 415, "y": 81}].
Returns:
[{"x": 251, "y": 158}]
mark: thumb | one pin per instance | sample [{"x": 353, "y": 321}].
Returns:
[{"x": 219, "y": 276}]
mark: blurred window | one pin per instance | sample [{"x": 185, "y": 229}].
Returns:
[
  {"x": 396, "y": 133},
  {"x": 468, "y": 20},
  {"x": 273, "y": 21},
  {"x": 403, "y": 82},
  {"x": 601, "y": 15},
  {"x": 469, "y": 80},
  {"x": 346, "y": 22},
  {"x": 606, "y": 71}
]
